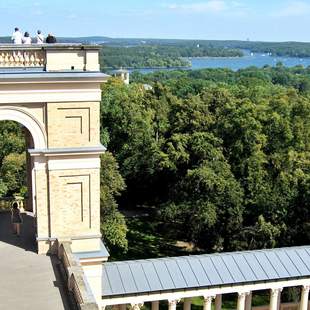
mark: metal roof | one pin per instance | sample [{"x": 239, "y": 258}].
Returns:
[
  {"x": 11, "y": 74},
  {"x": 203, "y": 271},
  {"x": 103, "y": 252}
]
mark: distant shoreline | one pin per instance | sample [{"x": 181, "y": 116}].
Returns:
[{"x": 142, "y": 68}]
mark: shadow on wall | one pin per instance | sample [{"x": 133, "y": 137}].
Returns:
[
  {"x": 26, "y": 240},
  {"x": 67, "y": 296}
]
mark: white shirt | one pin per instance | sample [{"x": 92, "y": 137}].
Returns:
[
  {"x": 17, "y": 37},
  {"x": 40, "y": 39},
  {"x": 26, "y": 40}
]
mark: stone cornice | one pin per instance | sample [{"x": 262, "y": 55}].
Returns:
[
  {"x": 23, "y": 77},
  {"x": 54, "y": 152}
]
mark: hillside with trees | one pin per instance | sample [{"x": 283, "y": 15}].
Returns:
[
  {"x": 216, "y": 159},
  {"x": 223, "y": 154}
]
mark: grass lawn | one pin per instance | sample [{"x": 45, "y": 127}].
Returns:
[{"x": 148, "y": 238}]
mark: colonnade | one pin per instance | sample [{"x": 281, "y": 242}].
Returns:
[{"x": 244, "y": 301}]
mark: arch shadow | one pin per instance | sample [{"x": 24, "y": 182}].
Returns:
[
  {"x": 24, "y": 118},
  {"x": 26, "y": 240}
]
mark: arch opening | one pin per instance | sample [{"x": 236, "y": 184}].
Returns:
[
  {"x": 23, "y": 189},
  {"x": 28, "y": 121}
]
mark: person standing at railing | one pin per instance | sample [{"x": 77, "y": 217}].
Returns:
[
  {"x": 40, "y": 37},
  {"x": 26, "y": 39},
  {"x": 16, "y": 218},
  {"x": 17, "y": 36},
  {"x": 51, "y": 39}
]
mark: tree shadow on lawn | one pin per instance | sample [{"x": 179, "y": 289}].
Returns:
[{"x": 149, "y": 238}]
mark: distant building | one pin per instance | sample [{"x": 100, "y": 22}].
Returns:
[
  {"x": 123, "y": 74},
  {"x": 147, "y": 87}
]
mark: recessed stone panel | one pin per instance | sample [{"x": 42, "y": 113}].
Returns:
[{"x": 73, "y": 125}]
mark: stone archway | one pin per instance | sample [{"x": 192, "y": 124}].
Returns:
[
  {"x": 36, "y": 138},
  {"x": 55, "y": 93},
  {"x": 27, "y": 120}
]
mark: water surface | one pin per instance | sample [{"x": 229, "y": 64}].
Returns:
[{"x": 236, "y": 63}]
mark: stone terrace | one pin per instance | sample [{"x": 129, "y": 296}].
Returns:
[{"x": 27, "y": 280}]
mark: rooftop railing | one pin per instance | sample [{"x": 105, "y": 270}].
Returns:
[
  {"x": 75, "y": 277},
  {"x": 50, "y": 57}
]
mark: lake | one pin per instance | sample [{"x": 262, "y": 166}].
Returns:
[{"x": 236, "y": 63}]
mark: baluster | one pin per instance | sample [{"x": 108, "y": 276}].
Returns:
[
  {"x": 11, "y": 59},
  {"x": 15, "y": 56},
  {"x": 1, "y": 60},
  {"x": 41, "y": 59},
  {"x": 26, "y": 59},
  {"x": 21, "y": 59},
  {"x": 6, "y": 59},
  {"x": 31, "y": 60},
  {"x": 35, "y": 61}
]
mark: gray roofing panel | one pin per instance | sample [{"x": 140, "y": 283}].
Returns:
[
  {"x": 266, "y": 265},
  {"x": 233, "y": 268},
  {"x": 151, "y": 275},
  {"x": 221, "y": 269},
  {"x": 127, "y": 278},
  {"x": 288, "y": 264},
  {"x": 115, "y": 279},
  {"x": 277, "y": 264},
  {"x": 139, "y": 277},
  {"x": 106, "y": 288},
  {"x": 175, "y": 273},
  {"x": 303, "y": 254},
  {"x": 210, "y": 270},
  {"x": 163, "y": 274},
  {"x": 255, "y": 266},
  {"x": 244, "y": 267},
  {"x": 187, "y": 272},
  {"x": 302, "y": 268},
  {"x": 193, "y": 272},
  {"x": 199, "y": 272}
]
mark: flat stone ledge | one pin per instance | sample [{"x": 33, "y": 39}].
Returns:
[
  {"x": 45, "y": 46},
  {"x": 68, "y": 151}
]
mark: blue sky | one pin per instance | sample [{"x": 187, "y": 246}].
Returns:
[{"x": 268, "y": 20}]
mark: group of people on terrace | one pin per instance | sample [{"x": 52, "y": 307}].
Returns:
[{"x": 19, "y": 38}]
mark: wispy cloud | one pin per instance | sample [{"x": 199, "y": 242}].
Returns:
[
  {"x": 210, "y": 6},
  {"x": 200, "y": 7},
  {"x": 72, "y": 16},
  {"x": 293, "y": 8}
]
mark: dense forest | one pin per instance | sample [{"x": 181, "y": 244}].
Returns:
[
  {"x": 220, "y": 159},
  {"x": 147, "y": 56},
  {"x": 223, "y": 154}
]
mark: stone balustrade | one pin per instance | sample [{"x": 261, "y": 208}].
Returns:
[
  {"x": 75, "y": 277},
  {"x": 54, "y": 57},
  {"x": 6, "y": 203},
  {"x": 21, "y": 58}
]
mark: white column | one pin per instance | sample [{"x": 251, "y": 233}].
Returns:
[
  {"x": 155, "y": 305},
  {"x": 136, "y": 306},
  {"x": 207, "y": 302},
  {"x": 241, "y": 300},
  {"x": 187, "y": 304},
  {"x": 279, "y": 300},
  {"x": 173, "y": 304},
  {"x": 248, "y": 301},
  {"x": 274, "y": 298},
  {"x": 304, "y": 301},
  {"x": 218, "y": 302}
]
